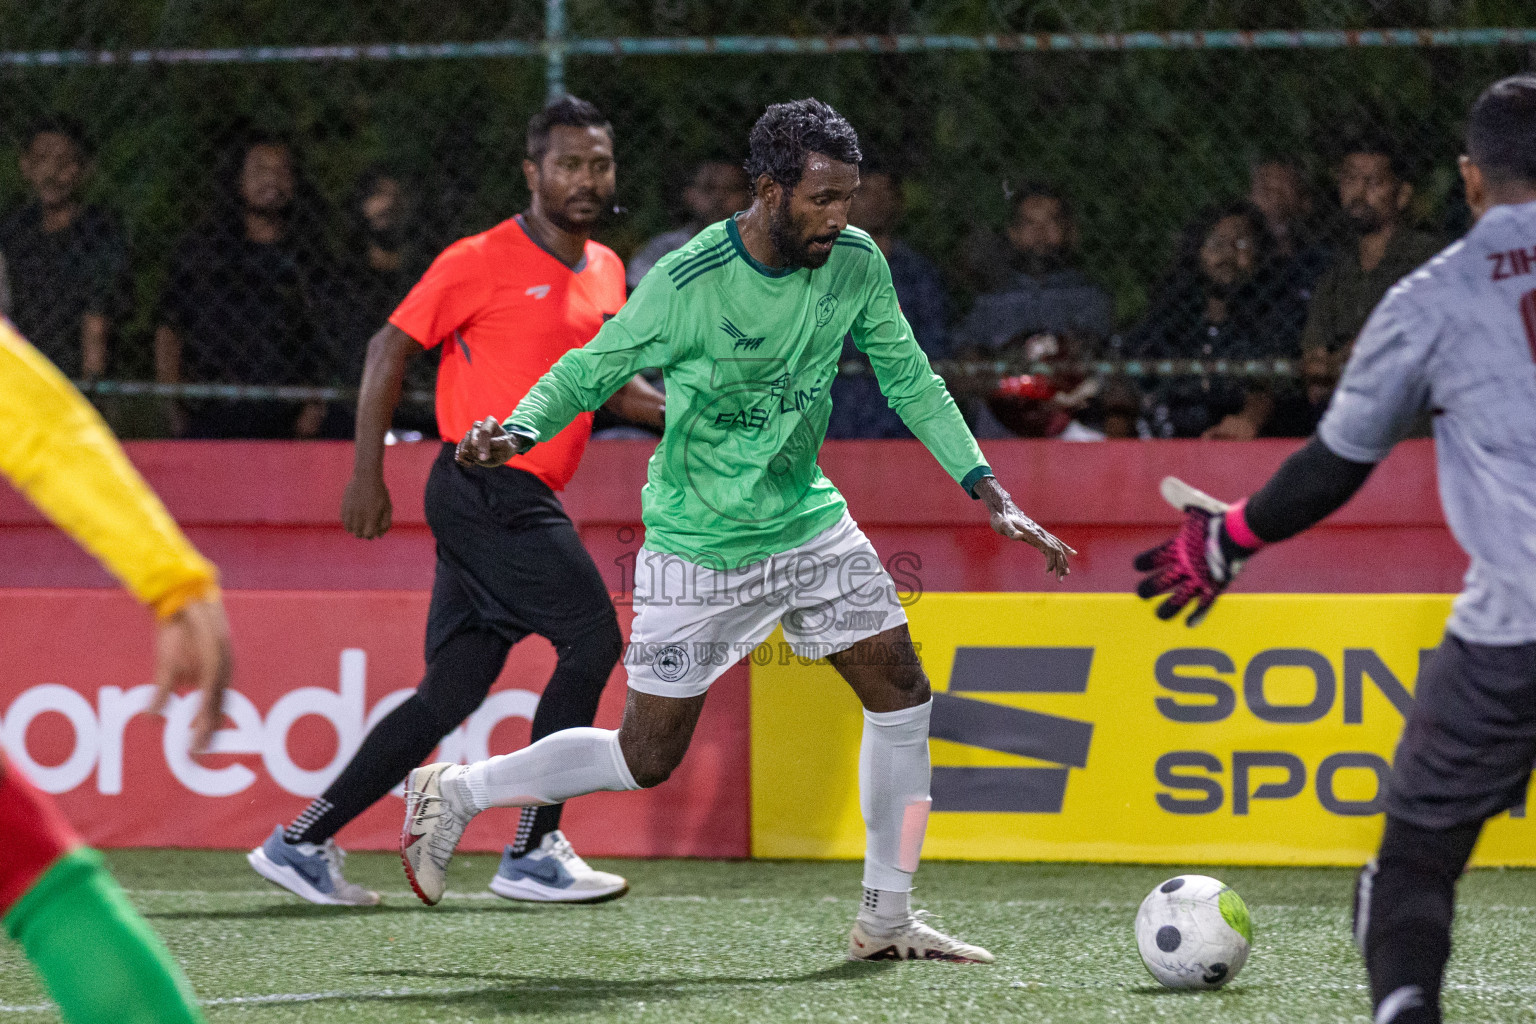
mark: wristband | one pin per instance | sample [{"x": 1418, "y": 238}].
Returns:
[
  {"x": 173, "y": 601},
  {"x": 1237, "y": 527}
]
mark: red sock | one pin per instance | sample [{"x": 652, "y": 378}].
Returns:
[{"x": 36, "y": 835}]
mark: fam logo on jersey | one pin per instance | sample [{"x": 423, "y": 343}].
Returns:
[
  {"x": 671, "y": 663},
  {"x": 979, "y": 723},
  {"x": 743, "y": 343},
  {"x": 825, "y": 309}
]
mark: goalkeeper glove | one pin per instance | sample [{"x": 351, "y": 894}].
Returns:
[{"x": 1201, "y": 560}]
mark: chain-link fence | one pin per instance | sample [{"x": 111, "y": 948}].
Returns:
[{"x": 1139, "y": 201}]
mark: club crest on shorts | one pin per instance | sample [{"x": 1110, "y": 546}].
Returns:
[
  {"x": 825, "y": 308},
  {"x": 671, "y": 663}
]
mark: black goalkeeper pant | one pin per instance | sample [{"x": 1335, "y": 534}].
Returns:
[
  {"x": 1466, "y": 754},
  {"x": 509, "y": 564}
]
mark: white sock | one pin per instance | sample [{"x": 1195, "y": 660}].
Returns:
[
  {"x": 572, "y": 762},
  {"x": 455, "y": 787},
  {"x": 884, "y": 908},
  {"x": 893, "y": 794}
]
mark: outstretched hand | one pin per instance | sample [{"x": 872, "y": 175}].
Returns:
[
  {"x": 1008, "y": 521},
  {"x": 1194, "y": 565},
  {"x": 487, "y": 444}
]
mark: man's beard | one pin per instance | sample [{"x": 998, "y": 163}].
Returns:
[
  {"x": 389, "y": 239},
  {"x": 560, "y": 219},
  {"x": 1224, "y": 290},
  {"x": 278, "y": 213},
  {"x": 1363, "y": 219},
  {"x": 1036, "y": 263},
  {"x": 53, "y": 198},
  {"x": 795, "y": 252}
]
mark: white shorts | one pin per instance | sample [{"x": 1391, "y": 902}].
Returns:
[{"x": 693, "y": 622}]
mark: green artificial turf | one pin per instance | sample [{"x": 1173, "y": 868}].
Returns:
[{"x": 763, "y": 941}]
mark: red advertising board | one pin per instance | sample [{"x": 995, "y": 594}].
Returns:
[
  {"x": 314, "y": 670},
  {"x": 328, "y": 629}
]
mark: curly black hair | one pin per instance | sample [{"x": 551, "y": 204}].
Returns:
[{"x": 787, "y": 133}]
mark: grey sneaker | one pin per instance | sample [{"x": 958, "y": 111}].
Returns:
[
  {"x": 311, "y": 871},
  {"x": 554, "y": 873}
]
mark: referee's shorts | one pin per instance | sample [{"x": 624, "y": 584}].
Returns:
[
  {"x": 508, "y": 559},
  {"x": 1469, "y": 745}
]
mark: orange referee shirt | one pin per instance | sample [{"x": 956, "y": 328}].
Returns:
[{"x": 504, "y": 310}]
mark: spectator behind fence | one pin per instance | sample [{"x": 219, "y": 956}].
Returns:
[
  {"x": 859, "y": 409},
  {"x": 381, "y": 263},
  {"x": 1277, "y": 188},
  {"x": 1043, "y": 291},
  {"x": 67, "y": 261},
  {"x": 1374, "y": 196},
  {"x": 1216, "y": 304},
  {"x": 1287, "y": 280},
  {"x": 1040, "y": 304},
  {"x": 717, "y": 189},
  {"x": 239, "y": 306}
]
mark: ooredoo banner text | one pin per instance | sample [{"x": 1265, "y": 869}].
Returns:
[{"x": 313, "y": 672}]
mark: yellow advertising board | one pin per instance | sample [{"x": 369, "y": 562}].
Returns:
[{"x": 1080, "y": 727}]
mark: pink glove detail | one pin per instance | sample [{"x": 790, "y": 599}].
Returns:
[
  {"x": 1190, "y": 567},
  {"x": 1238, "y": 529}
]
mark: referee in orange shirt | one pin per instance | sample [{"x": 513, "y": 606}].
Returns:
[{"x": 504, "y": 305}]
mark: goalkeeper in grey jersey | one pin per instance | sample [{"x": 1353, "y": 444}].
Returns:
[{"x": 1456, "y": 339}]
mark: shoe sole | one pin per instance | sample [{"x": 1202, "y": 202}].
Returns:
[
  {"x": 531, "y": 891},
  {"x": 285, "y": 877},
  {"x": 879, "y": 954},
  {"x": 917, "y": 960},
  {"x": 412, "y": 801}
]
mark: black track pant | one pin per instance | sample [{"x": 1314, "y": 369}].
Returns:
[
  {"x": 509, "y": 564},
  {"x": 1466, "y": 755}
]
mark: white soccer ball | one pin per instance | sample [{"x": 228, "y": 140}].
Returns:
[{"x": 1193, "y": 932}]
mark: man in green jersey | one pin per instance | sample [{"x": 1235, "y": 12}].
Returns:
[{"x": 743, "y": 532}]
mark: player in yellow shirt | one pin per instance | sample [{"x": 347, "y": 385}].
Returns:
[{"x": 98, "y": 958}]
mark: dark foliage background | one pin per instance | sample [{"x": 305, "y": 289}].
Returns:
[{"x": 1141, "y": 140}]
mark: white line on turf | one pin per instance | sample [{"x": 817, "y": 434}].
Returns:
[
  {"x": 482, "y": 896},
  {"x": 404, "y": 894}
]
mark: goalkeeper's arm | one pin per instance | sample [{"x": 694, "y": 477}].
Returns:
[{"x": 1308, "y": 487}]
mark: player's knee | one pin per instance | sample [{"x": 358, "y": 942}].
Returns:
[
  {"x": 603, "y": 645},
  {"x": 652, "y": 767},
  {"x": 592, "y": 651},
  {"x": 459, "y": 676},
  {"x": 447, "y": 706},
  {"x": 1442, "y": 851},
  {"x": 910, "y": 682},
  {"x": 1411, "y": 886},
  {"x": 652, "y": 761}
]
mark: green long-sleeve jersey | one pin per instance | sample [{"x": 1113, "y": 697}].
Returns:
[{"x": 748, "y": 354}]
